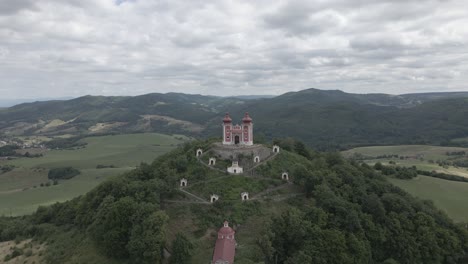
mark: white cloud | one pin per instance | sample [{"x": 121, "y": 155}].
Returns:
[{"x": 58, "y": 48}]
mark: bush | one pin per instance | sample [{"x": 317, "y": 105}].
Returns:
[
  {"x": 63, "y": 173},
  {"x": 100, "y": 166},
  {"x": 7, "y": 258},
  {"x": 65, "y": 143},
  {"x": 6, "y": 168},
  {"x": 8, "y": 150},
  {"x": 16, "y": 252}
]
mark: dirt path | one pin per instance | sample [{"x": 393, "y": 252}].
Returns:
[
  {"x": 262, "y": 162},
  {"x": 270, "y": 190},
  {"x": 184, "y": 202},
  {"x": 210, "y": 180},
  {"x": 11, "y": 191},
  {"x": 194, "y": 196},
  {"x": 211, "y": 167}
]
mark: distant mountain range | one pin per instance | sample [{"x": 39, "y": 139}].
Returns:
[
  {"x": 326, "y": 119},
  {"x": 4, "y": 103}
]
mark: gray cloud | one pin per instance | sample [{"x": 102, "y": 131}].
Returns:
[
  {"x": 12, "y": 7},
  {"x": 59, "y": 48}
]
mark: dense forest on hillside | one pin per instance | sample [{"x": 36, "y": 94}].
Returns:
[
  {"x": 349, "y": 213},
  {"x": 325, "y": 120}
]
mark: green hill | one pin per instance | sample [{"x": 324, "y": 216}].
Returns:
[
  {"x": 335, "y": 211},
  {"x": 323, "y": 119},
  {"x": 333, "y": 119}
]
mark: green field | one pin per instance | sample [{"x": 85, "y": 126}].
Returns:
[
  {"x": 449, "y": 196},
  {"x": 417, "y": 155},
  {"x": 20, "y": 191}
]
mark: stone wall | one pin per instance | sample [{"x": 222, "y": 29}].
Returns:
[{"x": 232, "y": 152}]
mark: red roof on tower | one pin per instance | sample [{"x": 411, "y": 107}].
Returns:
[
  {"x": 246, "y": 118},
  {"x": 227, "y": 118},
  {"x": 225, "y": 248}
]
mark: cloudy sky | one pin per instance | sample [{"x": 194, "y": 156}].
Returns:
[{"x": 68, "y": 48}]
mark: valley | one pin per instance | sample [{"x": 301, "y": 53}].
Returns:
[
  {"x": 20, "y": 189},
  {"x": 233, "y": 132},
  {"x": 329, "y": 193}
]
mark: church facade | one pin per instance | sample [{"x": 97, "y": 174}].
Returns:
[{"x": 238, "y": 134}]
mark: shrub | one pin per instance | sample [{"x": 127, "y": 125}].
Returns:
[{"x": 64, "y": 173}]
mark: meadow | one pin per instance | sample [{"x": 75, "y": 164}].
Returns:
[
  {"x": 20, "y": 190},
  {"x": 424, "y": 157},
  {"x": 449, "y": 196}
]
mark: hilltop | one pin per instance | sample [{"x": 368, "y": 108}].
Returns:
[
  {"x": 323, "y": 119},
  {"x": 334, "y": 211}
]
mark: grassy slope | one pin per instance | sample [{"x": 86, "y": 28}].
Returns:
[
  {"x": 197, "y": 220},
  {"x": 18, "y": 195},
  {"x": 449, "y": 196}
]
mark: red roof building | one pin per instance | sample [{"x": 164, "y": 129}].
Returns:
[{"x": 225, "y": 248}]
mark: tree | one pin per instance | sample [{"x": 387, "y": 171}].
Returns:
[
  {"x": 181, "y": 250},
  {"x": 301, "y": 149},
  {"x": 112, "y": 226},
  {"x": 147, "y": 239},
  {"x": 378, "y": 166}
]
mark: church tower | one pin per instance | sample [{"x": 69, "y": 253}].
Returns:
[
  {"x": 227, "y": 129},
  {"x": 247, "y": 130}
]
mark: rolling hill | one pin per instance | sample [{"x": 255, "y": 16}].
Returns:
[
  {"x": 323, "y": 119},
  {"x": 330, "y": 211}
]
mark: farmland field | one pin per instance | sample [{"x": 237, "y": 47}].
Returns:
[
  {"x": 449, "y": 196},
  {"x": 20, "y": 190},
  {"x": 422, "y": 156}
]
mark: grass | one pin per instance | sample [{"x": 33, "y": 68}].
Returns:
[
  {"x": 418, "y": 155},
  {"x": 427, "y": 152},
  {"x": 449, "y": 196},
  {"x": 20, "y": 191},
  {"x": 230, "y": 188},
  {"x": 120, "y": 150}
]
